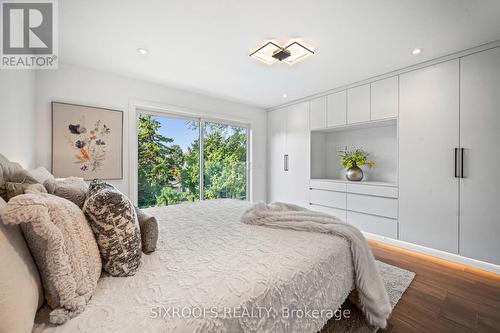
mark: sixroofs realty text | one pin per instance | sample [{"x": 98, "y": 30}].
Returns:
[{"x": 162, "y": 312}]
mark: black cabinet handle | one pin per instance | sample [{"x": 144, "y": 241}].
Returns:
[
  {"x": 462, "y": 150},
  {"x": 286, "y": 162},
  {"x": 456, "y": 164}
]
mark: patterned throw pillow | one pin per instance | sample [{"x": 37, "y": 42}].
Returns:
[
  {"x": 114, "y": 222},
  {"x": 63, "y": 247}
]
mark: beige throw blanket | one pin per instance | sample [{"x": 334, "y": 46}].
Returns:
[{"x": 373, "y": 296}]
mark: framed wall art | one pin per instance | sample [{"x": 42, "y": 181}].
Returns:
[{"x": 87, "y": 142}]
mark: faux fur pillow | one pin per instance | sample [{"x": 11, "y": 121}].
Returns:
[
  {"x": 15, "y": 189},
  {"x": 72, "y": 188},
  {"x": 114, "y": 222},
  {"x": 63, "y": 247},
  {"x": 149, "y": 230}
]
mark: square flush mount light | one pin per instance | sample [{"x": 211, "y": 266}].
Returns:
[{"x": 270, "y": 52}]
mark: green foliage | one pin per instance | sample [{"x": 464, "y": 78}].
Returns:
[
  {"x": 355, "y": 158},
  {"x": 170, "y": 196},
  {"x": 159, "y": 163},
  {"x": 167, "y": 175}
]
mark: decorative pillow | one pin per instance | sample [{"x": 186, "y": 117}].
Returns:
[
  {"x": 7, "y": 168},
  {"x": 149, "y": 230},
  {"x": 40, "y": 174},
  {"x": 21, "y": 176},
  {"x": 72, "y": 188},
  {"x": 114, "y": 222},
  {"x": 21, "y": 292},
  {"x": 63, "y": 247},
  {"x": 15, "y": 189}
]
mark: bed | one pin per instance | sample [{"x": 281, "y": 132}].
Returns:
[{"x": 222, "y": 276}]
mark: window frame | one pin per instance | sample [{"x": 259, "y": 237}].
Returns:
[{"x": 137, "y": 107}]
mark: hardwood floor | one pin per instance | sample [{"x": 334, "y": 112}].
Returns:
[{"x": 444, "y": 296}]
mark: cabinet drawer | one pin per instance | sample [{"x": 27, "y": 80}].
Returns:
[
  {"x": 386, "y": 207},
  {"x": 374, "y": 224},
  {"x": 380, "y": 191},
  {"x": 325, "y": 185},
  {"x": 340, "y": 213},
  {"x": 328, "y": 198}
]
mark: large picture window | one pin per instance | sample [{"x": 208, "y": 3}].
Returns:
[{"x": 177, "y": 154}]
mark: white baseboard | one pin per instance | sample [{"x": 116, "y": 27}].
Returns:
[{"x": 436, "y": 253}]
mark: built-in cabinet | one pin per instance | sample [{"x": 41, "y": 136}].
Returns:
[
  {"x": 384, "y": 98},
  {"x": 370, "y": 206},
  {"x": 480, "y": 141},
  {"x": 449, "y": 131},
  {"x": 358, "y": 104},
  {"x": 318, "y": 113},
  {"x": 378, "y": 100},
  {"x": 428, "y": 136},
  {"x": 336, "y": 109},
  {"x": 288, "y": 131},
  {"x": 434, "y": 132}
]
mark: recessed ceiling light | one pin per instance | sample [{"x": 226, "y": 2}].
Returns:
[
  {"x": 142, "y": 51},
  {"x": 270, "y": 52},
  {"x": 285, "y": 95},
  {"x": 416, "y": 51}
]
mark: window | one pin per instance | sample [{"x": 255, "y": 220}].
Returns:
[
  {"x": 224, "y": 161},
  {"x": 177, "y": 154}
]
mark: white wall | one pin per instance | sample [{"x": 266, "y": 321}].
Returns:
[
  {"x": 85, "y": 86},
  {"x": 17, "y": 116}
]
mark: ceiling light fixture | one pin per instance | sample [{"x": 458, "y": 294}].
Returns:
[
  {"x": 270, "y": 52},
  {"x": 285, "y": 95},
  {"x": 416, "y": 51},
  {"x": 142, "y": 51}
]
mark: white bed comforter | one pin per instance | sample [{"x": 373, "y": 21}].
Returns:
[{"x": 208, "y": 261}]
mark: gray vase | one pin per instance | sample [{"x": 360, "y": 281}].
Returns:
[{"x": 354, "y": 174}]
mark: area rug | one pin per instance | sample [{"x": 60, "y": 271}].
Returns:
[{"x": 396, "y": 281}]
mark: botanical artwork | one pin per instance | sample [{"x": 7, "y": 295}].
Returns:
[{"x": 87, "y": 142}]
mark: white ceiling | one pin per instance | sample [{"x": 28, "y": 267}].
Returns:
[{"x": 204, "y": 45}]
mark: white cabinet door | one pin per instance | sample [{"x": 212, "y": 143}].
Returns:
[
  {"x": 336, "y": 109},
  {"x": 428, "y": 134},
  {"x": 298, "y": 151},
  {"x": 277, "y": 185},
  {"x": 480, "y": 138},
  {"x": 358, "y": 104},
  {"x": 318, "y": 113},
  {"x": 384, "y": 98}
]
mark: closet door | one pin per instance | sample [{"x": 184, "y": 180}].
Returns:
[
  {"x": 480, "y": 138},
  {"x": 277, "y": 185},
  {"x": 428, "y": 134},
  {"x": 297, "y": 149}
]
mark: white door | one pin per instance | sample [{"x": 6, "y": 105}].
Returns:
[
  {"x": 297, "y": 150},
  {"x": 428, "y": 134},
  {"x": 480, "y": 138},
  {"x": 277, "y": 186}
]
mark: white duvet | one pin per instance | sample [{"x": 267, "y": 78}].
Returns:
[{"x": 212, "y": 273}]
